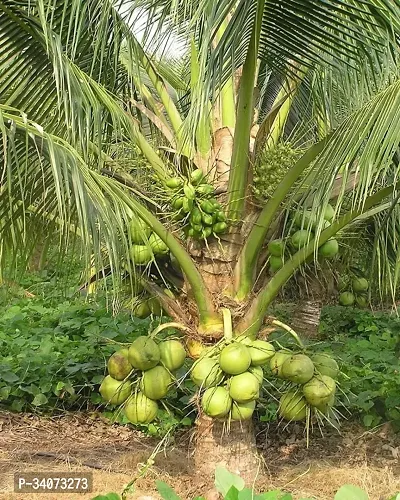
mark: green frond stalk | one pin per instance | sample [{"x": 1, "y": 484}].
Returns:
[
  {"x": 246, "y": 265},
  {"x": 227, "y": 95},
  {"x": 245, "y": 111},
  {"x": 253, "y": 319}
]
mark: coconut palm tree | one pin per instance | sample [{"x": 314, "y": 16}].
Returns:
[{"x": 98, "y": 131}]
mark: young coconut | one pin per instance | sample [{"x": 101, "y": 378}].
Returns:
[
  {"x": 172, "y": 354},
  {"x": 360, "y": 285},
  {"x": 140, "y": 409},
  {"x": 275, "y": 263},
  {"x": 346, "y": 299},
  {"x": 293, "y": 406},
  {"x": 276, "y": 248},
  {"x": 277, "y": 361},
  {"x": 325, "y": 365},
  {"x": 118, "y": 365},
  {"x": 244, "y": 387},
  {"x": 139, "y": 231},
  {"x": 300, "y": 239},
  {"x": 234, "y": 358},
  {"x": 242, "y": 411},
  {"x": 144, "y": 353},
  {"x": 141, "y": 309},
  {"x": 329, "y": 249},
  {"x": 114, "y": 391},
  {"x": 327, "y": 405},
  {"x": 140, "y": 255},
  {"x": 206, "y": 372},
  {"x": 298, "y": 369},
  {"x": 318, "y": 391},
  {"x": 157, "y": 245},
  {"x": 155, "y": 382},
  {"x": 257, "y": 371},
  {"x": 260, "y": 352},
  {"x": 216, "y": 402}
]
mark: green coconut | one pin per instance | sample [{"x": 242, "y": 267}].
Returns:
[
  {"x": 276, "y": 248},
  {"x": 141, "y": 309},
  {"x": 118, "y": 365},
  {"x": 260, "y": 352},
  {"x": 139, "y": 231},
  {"x": 298, "y": 369},
  {"x": 242, "y": 411},
  {"x": 155, "y": 382},
  {"x": 206, "y": 372},
  {"x": 360, "y": 285},
  {"x": 244, "y": 387},
  {"x": 300, "y": 239},
  {"x": 157, "y": 245},
  {"x": 235, "y": 358},
  {"x": 216, "y": 402},
  {"x": 172, "y": 354},
  {"x": 140, "y": 409},
  {"x": 140, "y": 254},
  {"x": 327, "y": 405},
  {"x": 293, "y": 406},
  {"x": 325, "y": 365},
  {"x": 305, "y": 219},
  {"x": 362, "y": 301},
  {"x": 346, "y": 299},
  {"x": 275, "y": 263},
  {"x": 318, "y": 391},
  {"x": 144, "y": 353},
  {"x": 257, "y": 371},
  {"x": 114, "y": 391},
  {"x": 277, "y": 361},
  {"x": 329, "y": 213},
  {"x": 329, "y": 249}
]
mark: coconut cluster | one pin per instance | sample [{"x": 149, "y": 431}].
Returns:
[
  {"x": 304, "y": 224},
  {"x": 312, "y": 383},
  {"x": 230, "y": 377},
  {"x": 195, "y": 205},
  {"x": 141, "y": 375},
  {"x": 354, "y": 292}
]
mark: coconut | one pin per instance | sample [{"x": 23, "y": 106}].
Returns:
[
  {"x": 235, "y": 358},
  {"x": 300, "y": 238},
  {"x": 325, "y": 365},
  {"x": 329, "y": 249},
  {"x": 139, "y": 231},
  {"x": 216, "y": 402},
  {"x": 277, "y": 361},
  {"x": 318, "y": 391},
  {"x": 154, "y": 306},
  {"x": 157, "y": 245},
  {"x": 206, "y": 372},
  {"x": 244, "y": 387},
  {"x": 327, "y": 405},
  {"x": 329, "y": 213},
  {"x": 257, "y": 371},
  {"x": 362, "y": 301},
  {"x": 260, "y": 352},
  {"x": 242, "y": 411},
  {"x": 140, "y": 409},
  {"x": 114, "y": 391},
  {"x": 276, "y": 248},
  {"x": 172, "y": 354},
  {"x": 118, "y": 365},
  {"x": 140, "y": 254},
  {"x": 141, "y": 309},
  {"x": 144, "y": 353},
  {"x": 298, "y": 369},
  {"x": 155, "y": 382},
  {"x": 305, "y": 219},
  {"x": 360, "y": 285},
  {"x": 293, "y": 406},
  {"x": 346, "y": 299},
  {"x": 275, "y": 263}
]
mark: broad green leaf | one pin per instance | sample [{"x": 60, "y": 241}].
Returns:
[
  {"x": 224, "y": 480},
  {"x": 166, "y": 491},
  {"x": 351, "y": 492},
  {"x": 109, "y": 496},
  {"x": 39, "y": 399},
  {"x": 232, "y": 494}
]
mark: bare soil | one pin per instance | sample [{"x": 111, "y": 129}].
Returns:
[{"x": 116, "y": 454}]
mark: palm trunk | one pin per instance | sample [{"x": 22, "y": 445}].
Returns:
[
  {"x": 231, "y": 446},
  {"x": 307, "y": 317}
]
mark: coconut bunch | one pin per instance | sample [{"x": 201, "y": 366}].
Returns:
[
  {"x": 312, "y": 383},
  {"x": 304, "y": 224},
  {"x": 194, "y": 204},
  {"x": 147, "y": 245},
  {"x": 141, "y": 375},
  {"x": 354, "y": 292},
  {"x": 230, "y": 377},
  {"x": 143, "y": 304}
]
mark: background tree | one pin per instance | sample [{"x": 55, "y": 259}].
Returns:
[{"x": 80, "y": 96}]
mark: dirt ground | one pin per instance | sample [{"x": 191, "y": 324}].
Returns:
[{"x": 115, "y": 455}]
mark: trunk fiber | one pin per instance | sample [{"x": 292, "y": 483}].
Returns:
[
  {"x": 234, "y": 448},
  {"x": 306, "y": 318}
]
